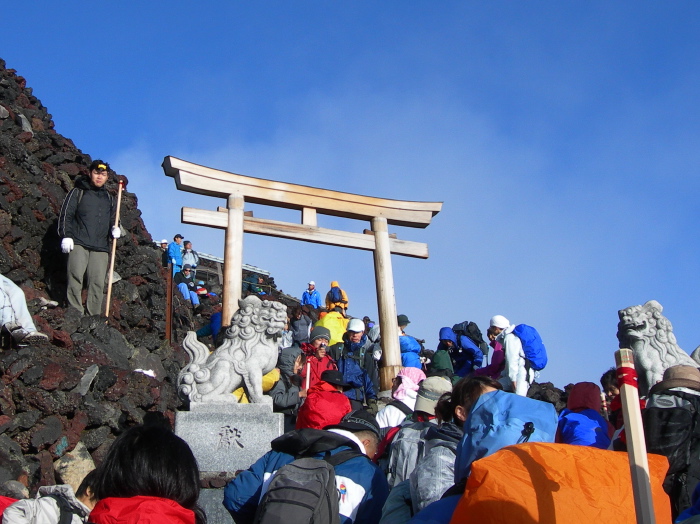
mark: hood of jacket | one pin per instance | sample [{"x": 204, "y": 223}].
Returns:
[
  {"x": 146, "y": 510},
  {"x": 584, "y": 395},
  {"x": 446, "y": 333},
  {"x": 335, "y": 284},
  {"x": 309, "y": 441},
  {"x": 287, "y": 358}
]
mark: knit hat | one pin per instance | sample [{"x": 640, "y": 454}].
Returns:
[
  {"x": 402, "y": 320},
  {"x": 499, "y": 321},
  {"x": 187, "y": 266},
  {"x": 356, "y": 325},
  {"x": 319, "y": 332},
  {"x": 358, "y": 420},
  {"x": 678, "y": 377},
  {"x": 431, "y": 389}
]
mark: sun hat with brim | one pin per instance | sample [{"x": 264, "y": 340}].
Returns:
[
  {"x": 164, "y": 241},
  {"x": 335, "y": 377},
  {"x": 358, "y": 420},
  {"x": 678, "y": 377},
  {"x": 430, "y": 391}
]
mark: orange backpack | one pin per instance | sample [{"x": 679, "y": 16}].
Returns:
[{"x": 555, "y": 483}]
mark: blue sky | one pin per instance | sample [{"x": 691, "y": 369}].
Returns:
[{"x": 562, "y": 138}]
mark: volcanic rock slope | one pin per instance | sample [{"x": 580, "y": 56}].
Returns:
[{"x": 81, "y": 385}]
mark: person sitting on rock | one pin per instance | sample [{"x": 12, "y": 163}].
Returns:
[
  {"x": 14, "y": 315},
  {"x": 317, "y": 358},
  {"x": 357, "y": 365},
  {"x": 185, "y": 283},
  {"x": 287, "y": 395},
  {"x": 52, "y": 503}
]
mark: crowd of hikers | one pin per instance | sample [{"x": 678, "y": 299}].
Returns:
[{"x": 428, "y": 450}]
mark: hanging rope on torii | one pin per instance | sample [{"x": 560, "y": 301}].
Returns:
[{"x": 380, "y": 212}]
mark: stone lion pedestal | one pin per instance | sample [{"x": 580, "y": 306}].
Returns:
[{"x": 225, "y": 438}]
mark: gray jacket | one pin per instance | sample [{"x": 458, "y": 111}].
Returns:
[{"x": 45, "y": 510}]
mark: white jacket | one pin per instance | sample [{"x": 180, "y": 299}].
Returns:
[
  {"x": 43, "y": 509},
  {"x": 515, "y": 363}
]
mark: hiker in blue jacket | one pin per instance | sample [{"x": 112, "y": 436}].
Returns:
[
  {"x": 361, "y": 485},
  {"x": 311, "y": 297},
  {"x": 175, "y": 253},
  {"x": 466, "y": 355},
  {"x": 353, "y": 362}
]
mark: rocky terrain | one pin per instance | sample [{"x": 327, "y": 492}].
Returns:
[{"x": 63, "y": 401}]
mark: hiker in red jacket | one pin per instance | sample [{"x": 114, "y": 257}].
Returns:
[{"x": 317, "y": 358}]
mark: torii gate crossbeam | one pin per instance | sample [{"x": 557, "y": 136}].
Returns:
[{"x": 238, "y": 189}]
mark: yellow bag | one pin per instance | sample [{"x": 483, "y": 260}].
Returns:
[{"x": 268, "y": 381}]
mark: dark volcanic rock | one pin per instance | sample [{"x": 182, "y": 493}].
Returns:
[{"x": 81, "y": 384}]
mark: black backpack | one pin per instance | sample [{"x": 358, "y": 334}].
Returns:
[
  {"x": 671, "y": 429},
  {"x": 471, "y": 330},
  {"x": 304, "y": 491}
]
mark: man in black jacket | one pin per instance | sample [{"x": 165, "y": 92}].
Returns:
[{"x": 86, "y": 218}]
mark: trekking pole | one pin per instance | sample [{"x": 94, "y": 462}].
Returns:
[
  {"x": 636, "y": 444},
  {"x": 114, "y": 247}
]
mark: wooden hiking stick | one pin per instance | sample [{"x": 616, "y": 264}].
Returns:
[
  {"x": 114, "y": 247},
  {"x": 636, "y": 444}
]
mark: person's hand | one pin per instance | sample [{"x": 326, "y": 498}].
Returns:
[
  {"x": 302, "y": 393},
  {"x": 116, "y": 232},
  {"x": 173, "y": 261},
  {"x": 67, "y": 245},
  {"x": 372, "y": 406}
]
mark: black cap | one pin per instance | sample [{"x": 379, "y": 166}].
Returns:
[
  {"x": 358, "y": 420},
  {"x": 335, "y": 377}
]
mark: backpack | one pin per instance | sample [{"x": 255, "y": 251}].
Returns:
[
  {"x": 335, "y": 295},
  {"x": 471, "y": 330},
  {"x": 533, "y": 347},
  {"x": 304, "y": 491},
  {"x": 403, "y": 408},
  {"x": 671, "y": 429}
]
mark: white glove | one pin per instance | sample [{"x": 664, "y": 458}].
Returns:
[
  {"x": 116, "y": 232},
  {"x": 67, "y": 245}
]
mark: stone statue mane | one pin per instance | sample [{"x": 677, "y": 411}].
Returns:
[
  {"x": 249, "y": 351},
  {"x": 649, "y": 334}
]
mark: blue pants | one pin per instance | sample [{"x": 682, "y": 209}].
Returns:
[{"x": 188, "y": 294}]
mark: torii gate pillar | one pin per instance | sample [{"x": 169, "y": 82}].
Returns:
[
  {"x": 386, "y": 302},
  {"x": 233, "y": 257}
]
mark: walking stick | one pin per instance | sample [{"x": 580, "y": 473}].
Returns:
[
  {"x": 636, "y": 444},
  {"x": 114, "y": 247}
]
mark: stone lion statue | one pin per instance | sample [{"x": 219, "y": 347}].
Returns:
[
  {"x": 249, "y": 351},
  {"x": 649, "y": 334}
]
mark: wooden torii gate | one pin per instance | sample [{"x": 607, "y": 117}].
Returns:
[{"x": 238, "y": 189}]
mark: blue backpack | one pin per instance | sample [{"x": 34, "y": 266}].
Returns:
[
  {"x": 533, "y": 347},
  {"x": 335, "y": 294}
]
